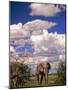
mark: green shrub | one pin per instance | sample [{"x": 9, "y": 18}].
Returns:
[
  {"x": 61, "y": 73},
  {"x": 21, "y": 72}
]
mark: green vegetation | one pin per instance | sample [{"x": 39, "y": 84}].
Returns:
[
  {"x": 61, "y": 73},
  {"x": 51, "y": 82},
  {"x": 22, "y": 76},
  {"x": 19, "y": 75}
]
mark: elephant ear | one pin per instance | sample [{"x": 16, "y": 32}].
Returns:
[{"x": 49, "y": 66}]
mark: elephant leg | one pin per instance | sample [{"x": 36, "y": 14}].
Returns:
[
  {"x": 37, "y": 75},
  {"x": 41, "y": 79},
  {"x": 46, "y": 78}
]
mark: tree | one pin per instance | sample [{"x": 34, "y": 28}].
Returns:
[
  {"x": 61, "y": 72},
  {"x": 19, "y": 74}
]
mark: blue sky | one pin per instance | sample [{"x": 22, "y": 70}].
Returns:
[
  {"x": 51, "y": 46},
  {"x": 19, "y": 12}
]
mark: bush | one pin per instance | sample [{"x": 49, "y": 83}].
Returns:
[
  {"x": 19, "y": 73},
  {"x": 61, "y": 73}
]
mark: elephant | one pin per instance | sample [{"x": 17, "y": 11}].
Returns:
[{"x": 42, "y": 70}]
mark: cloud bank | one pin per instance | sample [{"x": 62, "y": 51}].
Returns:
[
  {"x": 49, "y": 43},
  {"x": 31, "y": 27}
]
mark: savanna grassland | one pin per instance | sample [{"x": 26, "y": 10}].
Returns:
[{"x": 52, "y": 81}]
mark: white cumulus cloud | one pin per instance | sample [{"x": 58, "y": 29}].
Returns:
[
  {"x": 31, "y": 27},
  {"x": 52, "y": 43},
  {"x": 17, "y": 31},
  {"x": 37, "y": 26},
  {"x": 45, "y": 9},
  {"x": 12, "y": 49}
]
